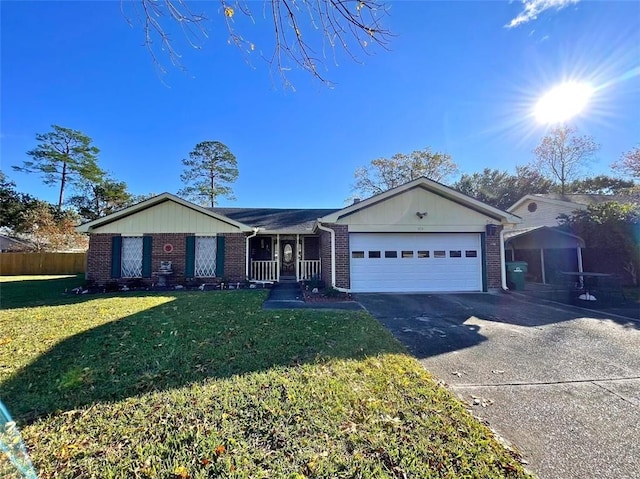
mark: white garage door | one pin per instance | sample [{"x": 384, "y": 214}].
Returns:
[{"x": 415, "y": 262}]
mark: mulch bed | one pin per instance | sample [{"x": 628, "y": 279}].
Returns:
[{"x": 321, "y": 297}]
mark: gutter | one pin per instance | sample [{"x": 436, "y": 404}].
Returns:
[{"x": 333, "y": 255}]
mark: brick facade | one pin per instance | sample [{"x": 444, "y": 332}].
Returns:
[
  {"x": 99, "y": 257},
  {"x": 235, "y": 257},
  {"x": 494, "y": 274}
]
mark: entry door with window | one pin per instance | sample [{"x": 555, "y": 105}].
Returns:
[{"x": 288, "y": 258}]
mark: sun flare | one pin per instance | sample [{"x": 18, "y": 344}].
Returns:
[{"x": 563, "y": 102}]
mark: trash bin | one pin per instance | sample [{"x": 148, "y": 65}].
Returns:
[{"x": 515, "y": 274}]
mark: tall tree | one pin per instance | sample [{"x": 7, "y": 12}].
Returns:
[
  {"x": 97, "y": 199},
  {"x": 385, "y": 173},
  {"x": 500, "y": 188},
  {"x": 208, "y": 173},
  {"x": 63, "y": 157},
  {"x": 562, "y": 155},
  {"x": 629, "y": 163},
  {"x": 304, "y": 32}
]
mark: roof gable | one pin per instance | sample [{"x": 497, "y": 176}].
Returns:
[
  {"x": 166, "y": 212},
  {"x": 456, "y": 199}
]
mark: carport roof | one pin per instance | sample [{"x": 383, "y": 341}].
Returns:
[{"x": 510, "y": 235}]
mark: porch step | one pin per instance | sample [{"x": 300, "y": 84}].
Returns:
[
  {"x": 285, "y": 291},
  {"x": 288, "y": 279}
]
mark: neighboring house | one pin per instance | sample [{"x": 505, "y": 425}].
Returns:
[
  {"x": 544, "y": 209},
  {"x": 421, "y": 236},
  {"x": 13, "y": 245},
  {"x": 538, "y": 240}
]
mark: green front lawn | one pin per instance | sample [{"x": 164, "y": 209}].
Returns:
[{"x": 207, "y": 384}]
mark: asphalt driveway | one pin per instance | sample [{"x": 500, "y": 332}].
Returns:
[{"x": 560, "y": 383}]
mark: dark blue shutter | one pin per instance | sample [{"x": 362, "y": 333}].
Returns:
[
  {"x": 220, "y": 256},
  {"x": 116, "y": 256},
  {"x": 190, "y": 260},
  {"x": 146, "y": 256}
]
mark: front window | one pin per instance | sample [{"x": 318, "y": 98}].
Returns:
[
  {"x": 205, "y": 258},
  {"x": 131, "y": 263}
]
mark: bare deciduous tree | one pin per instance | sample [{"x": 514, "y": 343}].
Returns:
[
  {"x": 385, "y": 173},
  {"x": 562, "y": 154},
  {"x": 305, "y": 32},
  {"x": 629, "y": 164}
]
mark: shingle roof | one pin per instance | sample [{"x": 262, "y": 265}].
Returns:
[{"x": 276, "y": 219}]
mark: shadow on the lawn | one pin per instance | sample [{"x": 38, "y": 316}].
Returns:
[
  {"x": 33, "y": 293},
  {"x": 191, "y": 338}
]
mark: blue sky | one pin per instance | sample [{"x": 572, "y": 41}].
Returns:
[{"x": 454, "y": 78}]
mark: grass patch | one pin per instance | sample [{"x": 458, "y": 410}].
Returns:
[{"x": 208, "y": 384}]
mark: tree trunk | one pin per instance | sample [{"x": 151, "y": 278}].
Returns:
[{"x": 63, "y": 181}]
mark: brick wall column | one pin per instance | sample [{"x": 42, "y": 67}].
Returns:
[{"x": 494, "y": 274}]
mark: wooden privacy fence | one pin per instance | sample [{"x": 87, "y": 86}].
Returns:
[{"x": 14, "y": 264}]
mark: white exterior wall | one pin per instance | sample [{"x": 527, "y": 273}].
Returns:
[
  {"x": 545, "y": 215},
  {"x": 167, "y": 217}
]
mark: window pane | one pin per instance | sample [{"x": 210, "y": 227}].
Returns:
[
  {"x": 390, "y": 254},
  {"x": 131, "y": 262},
  {"x": 471, "y": 253},
  {"x": 423, "y": 254},
  {"x": 357, "y": 254},
  {"x": 455, "y": 254},
  {"x": 439, "y": 254},
  {"x": 374, "y": 254},
  {"x": 205, "y": 261},
  {"x": 407, "y": 254}
]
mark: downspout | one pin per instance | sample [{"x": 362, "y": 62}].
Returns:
[
  {"x": 503, "y": 267},
  {"x": 333, "y": 256},
  {"x": 333, "y": 251},
  {"x": 255, "y": 233}
]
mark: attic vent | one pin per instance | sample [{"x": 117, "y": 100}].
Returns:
[
  {"x": 532, "y": 207},
  {"x": 355, "y": 200}
]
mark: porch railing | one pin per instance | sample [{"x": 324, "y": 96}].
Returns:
[
  {"x": 264, "y": 270},
  {"x": 309, "y": 268}
]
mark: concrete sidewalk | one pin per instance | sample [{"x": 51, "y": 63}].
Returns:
[{"x": 560, "y": 383}]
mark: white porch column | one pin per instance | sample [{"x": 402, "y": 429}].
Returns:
[
  {"x": 297, "y": 257},
  {"x": 276, "y": 251},
  {"x": 544, "y": 280},
  {"x": 579, "y": 250}
]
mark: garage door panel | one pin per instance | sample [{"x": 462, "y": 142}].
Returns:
[{"x": 457, "y": 271}]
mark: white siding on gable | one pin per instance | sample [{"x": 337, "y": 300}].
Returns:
[
  {"x": 399, "y": 213},
  {"x": 167, "y": 217},
  {"x": 545, "y": 214}
]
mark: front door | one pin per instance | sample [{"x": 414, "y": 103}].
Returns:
[{"x": 288, "y": 258}]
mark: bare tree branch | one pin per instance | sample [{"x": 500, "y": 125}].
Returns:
[{"x": 301, "y": 29}]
